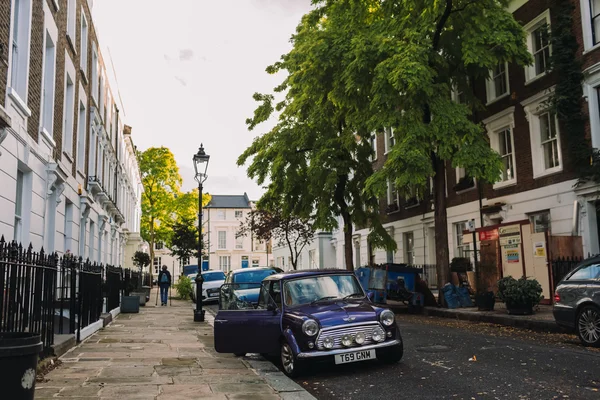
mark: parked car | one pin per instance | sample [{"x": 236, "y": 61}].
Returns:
[
  {"x": 210, "y": 287},
  {"x": 577, "y": 301},
  {"x": 305, "y": 316},
  {"x": 190, "y": 270},
  {"x": 247, "y": 284}
]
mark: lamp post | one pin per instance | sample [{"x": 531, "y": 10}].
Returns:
[{"x": 200, "y": 167}]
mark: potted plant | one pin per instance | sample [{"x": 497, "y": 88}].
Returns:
[{"x": 519, "y": 295}]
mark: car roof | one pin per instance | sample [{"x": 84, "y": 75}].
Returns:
[
  {"x": 308, "y": 272},
  {"x": 237, "y": 271}
]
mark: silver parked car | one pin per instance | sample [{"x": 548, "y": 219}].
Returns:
[{"x": 577, "y": 301}]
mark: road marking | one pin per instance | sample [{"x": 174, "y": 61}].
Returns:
[{"x": 439, "y": 364}]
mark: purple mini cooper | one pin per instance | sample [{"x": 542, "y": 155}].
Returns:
[{"x": 309, "y": 315}]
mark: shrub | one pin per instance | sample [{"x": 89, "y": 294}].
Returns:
[
  {"x": 184, "y": 287},
  {"x": 521, "y": 291}
]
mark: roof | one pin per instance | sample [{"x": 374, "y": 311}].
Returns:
[
  {"x": 237, "y": 271},
  {"x": 307, "y": 272},
  {"x": 229, "y": 201}
]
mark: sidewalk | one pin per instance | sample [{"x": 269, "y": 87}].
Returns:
[
  {"x": 542, "y": 320},
  {"x": 161, "y": 353}
]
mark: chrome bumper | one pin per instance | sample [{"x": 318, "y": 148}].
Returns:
[{"x": 314, "y": 354}]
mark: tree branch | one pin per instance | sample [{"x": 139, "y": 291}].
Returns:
[
  {"x": 464, "y": 7},
  {"x": 440, "y": 25}
]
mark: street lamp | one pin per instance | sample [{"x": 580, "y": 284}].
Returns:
[{"x": 200, "y": 167}]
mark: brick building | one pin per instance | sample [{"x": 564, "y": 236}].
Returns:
[
  {"x": 68, "y": 170},
  {"x": 538, "y": 182}
]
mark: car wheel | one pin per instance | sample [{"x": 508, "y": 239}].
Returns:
[
  {"x": 588, "y": 326},
  {"x": 391, "y": 355},
  {"x": 292, "y": 367}
]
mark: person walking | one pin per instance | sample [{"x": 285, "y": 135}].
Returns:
[{"x": 164, "y": 282}]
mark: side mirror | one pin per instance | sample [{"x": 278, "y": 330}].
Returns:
[{"x": 371, "y": 295}]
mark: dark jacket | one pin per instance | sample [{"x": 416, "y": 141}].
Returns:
[{"x": 160, "y": 275}]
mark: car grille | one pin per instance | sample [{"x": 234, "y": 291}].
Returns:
[
  {"x": 213, "y": 290},
  {"x": 337, "y": 333}
]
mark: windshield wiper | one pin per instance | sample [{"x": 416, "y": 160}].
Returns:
[
  {"x": 323, "y": 298},
  {"x": 352, "y": 295}
]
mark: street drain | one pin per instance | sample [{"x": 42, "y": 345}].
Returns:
[{"x": 437, "y": 348}]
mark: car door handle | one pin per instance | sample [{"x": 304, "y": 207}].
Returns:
[{"x": 220, "y": 321}]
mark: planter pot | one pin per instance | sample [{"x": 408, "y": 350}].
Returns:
[
  {"x": 18, "y": 361},
  {"x": 519, "y": 309},
  {"x": 485, "y": 301},
  {"x": 142, "y": 296},
  {"x": 130, "y": 304}
]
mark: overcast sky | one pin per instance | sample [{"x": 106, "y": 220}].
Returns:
[{"x": 187, "y": 70}]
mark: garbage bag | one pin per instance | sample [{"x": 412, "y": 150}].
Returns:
[
  {"x": 451, "y": 296},
  {"x": 464, "y": 298}
]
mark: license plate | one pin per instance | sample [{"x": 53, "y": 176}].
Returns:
[
  {"x": 353, "y": 357},
  {"x": 213, "y": 294}
]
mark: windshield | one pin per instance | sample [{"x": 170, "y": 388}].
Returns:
[
  {"x": 190, "y": 269},
  {"x": 324, "y": 287},
  {"x": 252, "y": 276},
  {"x": 213, "y": 276}
]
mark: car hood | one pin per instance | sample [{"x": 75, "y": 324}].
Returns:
[
  {"x": 338, "y": 312},
  {"x": 211, "y": 284}
]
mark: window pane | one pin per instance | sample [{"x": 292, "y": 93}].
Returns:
[
  {"x": 544, "y": 127},
  {"x": 587, "y": 272},
  {"x": 540, "y": 222},
  {"x": 19, "y": 194}
]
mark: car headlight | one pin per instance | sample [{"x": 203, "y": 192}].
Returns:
[
  {"x": 360, "y": 338},
  {"x": 347, "y": 340},
  {"x": 378, "y": 335},
  {"x": 387, "y": 317},
  {"x": 328, "y": 343},
  {"x": 310, "y": 327}
]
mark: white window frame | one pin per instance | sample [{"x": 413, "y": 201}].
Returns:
[
  {"x": 495, "y": 125},
  {"x": 225, "y": 263},
  {"x": 69, "y": 107},
  {"x": 591, "y": 88},
  {"x": 221, "y": 240},
  {"x": 84, "y": 44},
  {"x": 373, "y": 144},
  {"x": 239, "y": 214},
  {"x": 490, "y": 86},
  {"x": 390, "y": 141},
  {"x": 48, "y": 77},
  {"x": 312, "y": 259},
  {"x": 534, "y": 107},
  {"x": 81, "y": 130},
  {"x": 95, "y": 72},
  {"x": 529, "y": 28},
  {"x": 71, "y": 20},
  {"x": 221, "y": 215},
  {"x": 459, "y": 245},
  {"x": 533, "y": 222},
  {"x": 587, "y": 28},
  {"x": 19, "y": 53},
  {"x": 239, "y": 243},
  {"x": 391, "y": 187},
  {"x": 19, "y": 195},
  {"x": 409, "y": 253},
  {"x": 93, "y": 146}
]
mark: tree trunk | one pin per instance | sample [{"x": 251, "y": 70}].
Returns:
[
  {"x": 441, "y": 225},
  {"x": 348, "y": 242}
]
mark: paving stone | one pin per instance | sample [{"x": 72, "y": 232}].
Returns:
[
  {"x": 129, "y": 392},
  {"x": 281, "y": 383},
  {"x": 113, "y": 372},
  {"x": 214, "y": 379},
  {"x": 171, "y": 370},
  {"x": 179, "y": 361},
  {"x": 46, "y": 391},
  {"x": 264, "y": 366},
  {"x": 304, "y": 395},
  {"x": 80, "y": 391},
  {"x": 189, "y": 391},
  {"x": 261, "y": 388},
  {"x": 212, "y": 363},
  {"x": 131, "y": 380}
]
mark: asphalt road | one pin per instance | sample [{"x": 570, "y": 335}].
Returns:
[{"x": 510, "y": 364}]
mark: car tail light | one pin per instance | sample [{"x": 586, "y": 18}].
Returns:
[{"x": 556, "y": 297}]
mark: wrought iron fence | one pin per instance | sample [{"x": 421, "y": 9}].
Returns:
[
  {"x": 50, "y": 295},
  {"x": 562, "y": 266},
  {"x": 28, "y": 284}
]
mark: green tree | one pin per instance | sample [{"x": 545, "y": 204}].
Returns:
[
  {"x": 290, "y": 231},
  {"x": 162, "y": 182},
  {"x": 358, "y": 66},
  {"x": 316, "y": 159},
  {"x": 183, "y": 240}
]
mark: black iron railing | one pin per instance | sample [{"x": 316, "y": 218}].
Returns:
[{"x": 49, "y": 295}]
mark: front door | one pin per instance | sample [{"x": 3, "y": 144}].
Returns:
[{"x": 244, "y": 261}]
